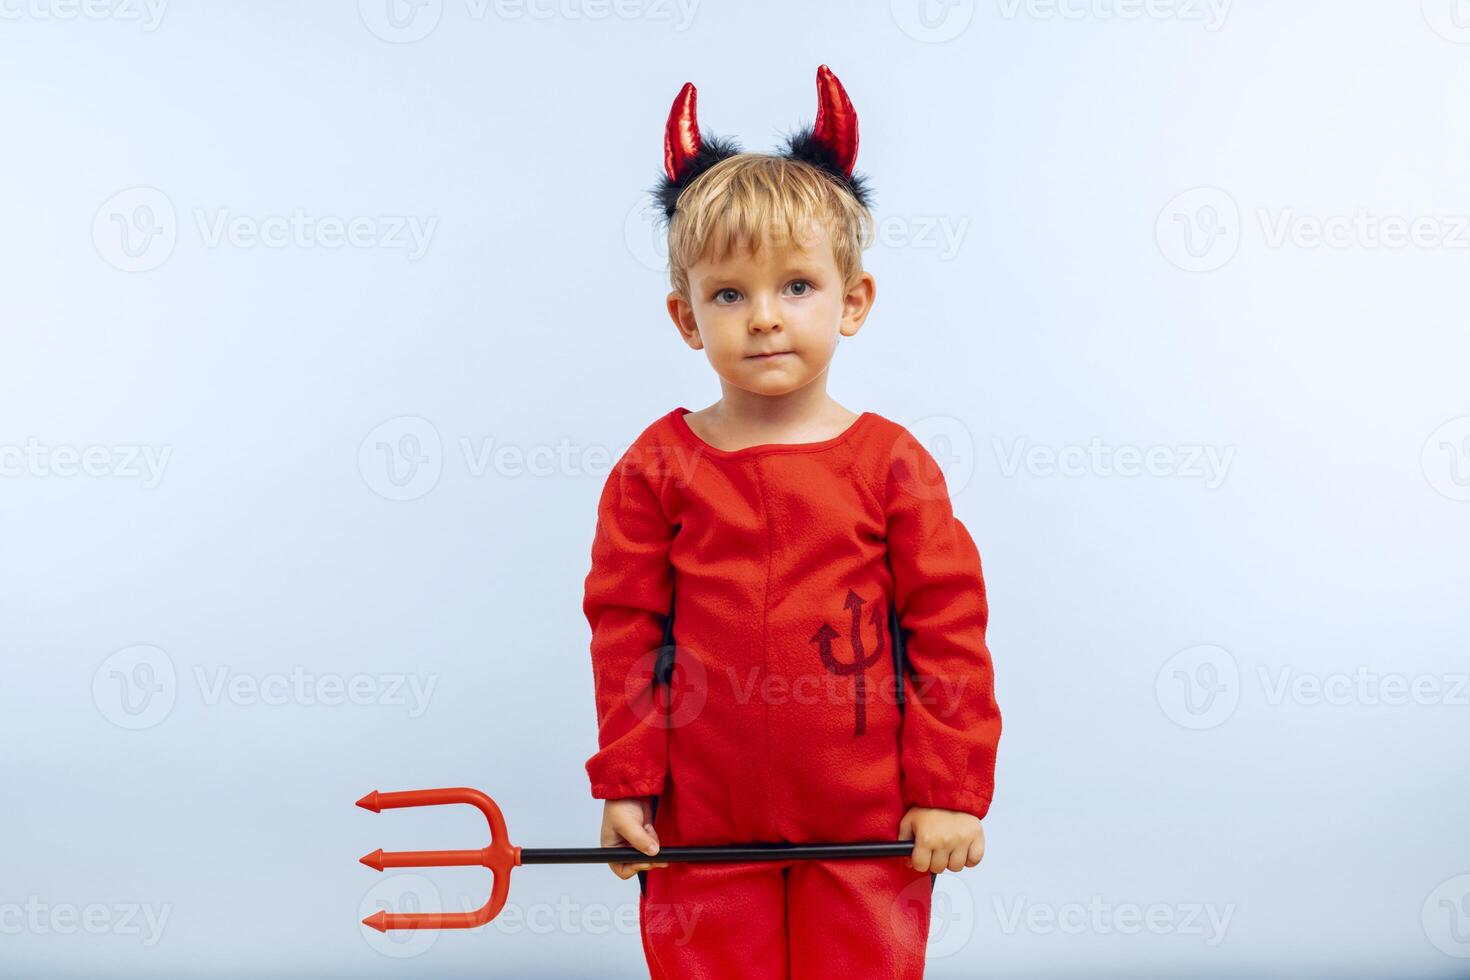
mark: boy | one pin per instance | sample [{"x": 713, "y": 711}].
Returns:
[{"x": 796, "y": 532}]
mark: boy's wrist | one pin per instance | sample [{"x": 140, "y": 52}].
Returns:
[
  {"x": 973, "y": 803},
  {"x": 626, "y": 790}
]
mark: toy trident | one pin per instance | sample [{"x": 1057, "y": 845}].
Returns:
[{"x": 501, "y": 856}]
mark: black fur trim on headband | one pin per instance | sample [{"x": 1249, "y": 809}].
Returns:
[
  {"x": 712, "y": 149},
  {"x": 803, "y": 145}
]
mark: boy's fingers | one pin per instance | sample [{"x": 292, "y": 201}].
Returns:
[
  {"x": 627, "y": 869},
  {"x": 639, "y": 835},
  {"x": 644, "y": 839}
]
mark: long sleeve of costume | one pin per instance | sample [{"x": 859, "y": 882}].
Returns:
[
  {"x": 951, "y": 723},
  {"x": 627, "y": 599}
]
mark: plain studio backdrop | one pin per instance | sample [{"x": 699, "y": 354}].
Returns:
[{"x": 321, "y": 324}]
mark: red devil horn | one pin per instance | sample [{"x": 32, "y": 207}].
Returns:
[
  {"x": 837, "y": 125},
  {"x": 681, "y": 136}
]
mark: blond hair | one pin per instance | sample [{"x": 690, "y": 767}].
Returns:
[{"x": 750, "y": 199}]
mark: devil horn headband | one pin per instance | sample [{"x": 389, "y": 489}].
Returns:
[{"x": 830, "y": 144}]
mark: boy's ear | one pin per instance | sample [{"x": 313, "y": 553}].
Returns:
[
  {"x": 857, "y": 303},
  {"x": 682, "y": 313}
]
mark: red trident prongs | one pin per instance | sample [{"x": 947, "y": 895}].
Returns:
[{"x": 501, "y": 856}]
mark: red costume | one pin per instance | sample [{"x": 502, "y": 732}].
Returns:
[{"x": 781, "y": 565}]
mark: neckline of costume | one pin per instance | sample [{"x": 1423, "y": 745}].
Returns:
[{"x": 684, "y": 428}]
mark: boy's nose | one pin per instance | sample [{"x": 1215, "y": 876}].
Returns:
[{"x": 763, "y": 314}]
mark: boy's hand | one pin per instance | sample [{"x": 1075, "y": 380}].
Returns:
[
  {"x": 628, "y": 823},
  {"x": 943, "y": 839}
]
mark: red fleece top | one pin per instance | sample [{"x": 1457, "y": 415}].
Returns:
[{"x": 781, "y": 562}]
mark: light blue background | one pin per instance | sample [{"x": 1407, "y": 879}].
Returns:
[{"x": 1336, "y": 540}]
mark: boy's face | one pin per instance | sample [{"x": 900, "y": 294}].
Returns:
[{"x": 788, "y": 299}]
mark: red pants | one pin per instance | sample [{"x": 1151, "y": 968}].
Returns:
[{"x": 803, "y": 920}]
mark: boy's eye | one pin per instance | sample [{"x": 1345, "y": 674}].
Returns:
[{"x": 729, "y": 294}]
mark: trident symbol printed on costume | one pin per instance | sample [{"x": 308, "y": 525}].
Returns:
[{"x": 823, "y": 638}]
